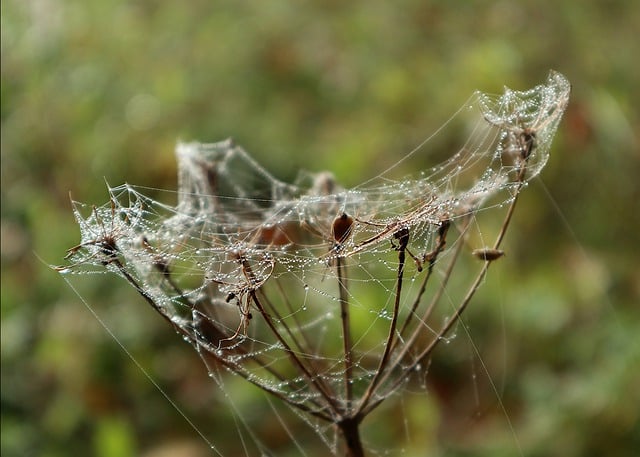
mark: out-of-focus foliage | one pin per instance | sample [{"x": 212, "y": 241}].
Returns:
[{"x": 103, "y": 90}]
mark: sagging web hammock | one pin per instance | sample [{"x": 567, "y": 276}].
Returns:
[{"x": 321, "y": 296}]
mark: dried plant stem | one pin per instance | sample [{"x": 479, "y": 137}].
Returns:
[
  {"x": 432, "y": 257},
  {"x": 313, "y": 379},
  {"x": 306, "y": 348},
  {"x": 348, "y": 421},
  {"x": 403, "y": 239},
  {"x": 296, "y": 342},
  {"x": 274, "y": 311},
  {"x": 211, "y": 351},
  {"x": 346, "y": 331},
  {"x": 224, "y": 226},
  {"x": 436, "y": 297},
  {"x": 350, "y": 431},
  {"x": 242, "y": 373},
  {"x": 414, "y": 306},
  {"x": 453, "y": 319}
]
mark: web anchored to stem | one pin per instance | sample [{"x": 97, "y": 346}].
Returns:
[{"x": 328, "y": 299}]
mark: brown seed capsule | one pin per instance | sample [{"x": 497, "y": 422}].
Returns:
[
  {"x": 487, "y": 254},
  {"x": 528, "y": 142},
  {"x": 341, "y": 228}
]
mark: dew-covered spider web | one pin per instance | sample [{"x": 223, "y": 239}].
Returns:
[{"x": 328, "y": 299}]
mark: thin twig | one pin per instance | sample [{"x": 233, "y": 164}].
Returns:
[
  {"x": 410, "y": 343},
  {"x": 346, "y": 331},
  {"x": 431, "y": 257},
  {"x": 306, "y": 348},
  {"x": 311, "y": 377},
  {"x": 465, "y": 301},
  {"x": 403, "y": 239},
  {"x": 296, "y": 341},
  {"x": 264, "y": 387},
  {"x": 213, "y": 351}
]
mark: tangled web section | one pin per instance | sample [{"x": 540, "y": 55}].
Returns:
[{"x": 329, "y": 299}]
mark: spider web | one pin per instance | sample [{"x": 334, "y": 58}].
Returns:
[{"x": 295, "y": 287}]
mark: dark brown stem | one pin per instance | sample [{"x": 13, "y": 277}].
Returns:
[
  {"x": 273, "y": 310},
  {"x": 426, "y": 352},
  {"x": 403, "y": 239},
  {"x": 350, "y": 430},
  {"x": 313, "y": 379},
  {"x": 431, "y": 258},
  {"x": 296, "y": 342},
  {"x": 211, "y": 351},
  {"x": 410, "y": 343},
  {"x": 346, "y": 331}
]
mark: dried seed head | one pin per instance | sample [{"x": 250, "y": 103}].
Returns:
[
  {"x": 341, "y": 228},
  {"x": 528, "y": 142},
  {"x": 487, "y": 254}
]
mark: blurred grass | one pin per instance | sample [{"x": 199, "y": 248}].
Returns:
[{"x": 103, "y": 90}]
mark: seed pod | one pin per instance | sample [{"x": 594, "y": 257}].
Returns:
[
  {"x": 341, "y": 228},
  {"x": 487, "y": 254},
  {"x": 528, "y": 141}
]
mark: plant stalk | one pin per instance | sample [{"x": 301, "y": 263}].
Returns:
[
  {"x": 350, "y": 431},
  {"x": 346, "y": 332}
]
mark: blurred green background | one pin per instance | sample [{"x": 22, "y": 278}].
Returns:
[{"x": 98, "y": 90}]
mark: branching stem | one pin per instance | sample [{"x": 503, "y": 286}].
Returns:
[
  {"x": 313, "y": 379},
  {"x": 350, "y": 431},
  {"x": 426, "y": 352}
]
